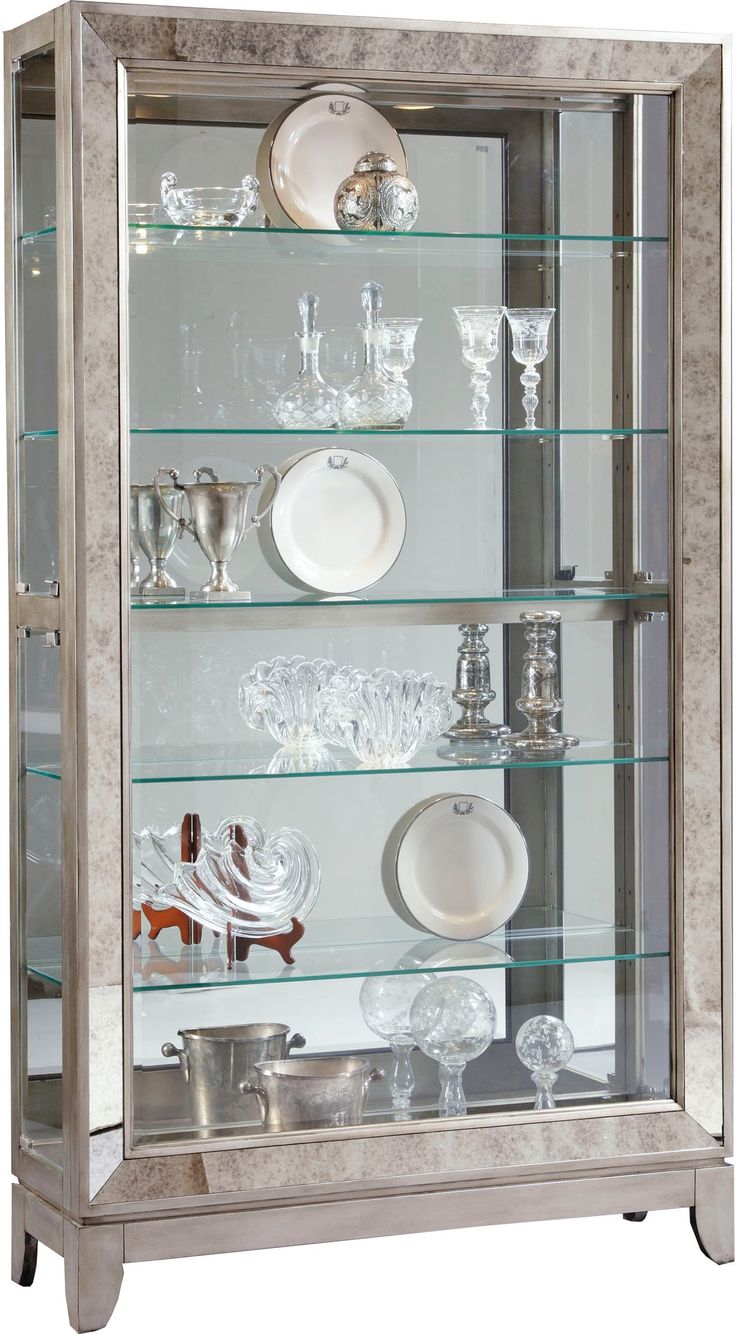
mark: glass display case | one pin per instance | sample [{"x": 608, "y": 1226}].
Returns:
[{"x": 362, "y": 414}]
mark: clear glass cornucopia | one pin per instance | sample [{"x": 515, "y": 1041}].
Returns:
[{"x": 256, "y": 889}]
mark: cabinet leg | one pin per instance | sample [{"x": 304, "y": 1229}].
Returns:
[
  {"x": 24, "y": 1248},
  {"x": 711, "y": 1216},
  {"x": 93, "y": 1272},
  {"x": 637, "y": 1217}
]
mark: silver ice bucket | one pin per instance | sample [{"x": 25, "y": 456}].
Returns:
[
  {"x": 311, "y": 1091},
  {"x": 216, "y": 1061}
]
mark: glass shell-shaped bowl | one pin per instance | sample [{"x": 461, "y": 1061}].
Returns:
[
  {"x": 384, "y": 717},
  {"x": 281, "y": 697},
  {"x": 256, "y": 889},
  {"x": 209, "y": 205}
]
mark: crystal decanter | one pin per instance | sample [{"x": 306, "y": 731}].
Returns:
[
  {"x": 309, "y": 403},
  {"x": 374, "y": 400}
]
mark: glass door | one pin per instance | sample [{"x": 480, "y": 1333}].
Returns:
[{"x": 360, "y": 812}]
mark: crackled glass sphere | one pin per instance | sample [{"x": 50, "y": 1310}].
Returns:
[
  {"x": 544, "y": 1045},
  {"x": 386, "y": 1004},
  {"x": 453, "y": 1020}
]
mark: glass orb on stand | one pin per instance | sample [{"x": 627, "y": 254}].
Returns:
[
  {"x": 453, "y": 1020},
  {"x": 478, "y": 328},
  {"x": 545, "y": 1046},
  {"x": 386, "y": 1003},
  {"x": 529, "y": 330}
]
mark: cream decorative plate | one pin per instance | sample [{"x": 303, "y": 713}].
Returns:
[
  {"x": 462, "y": 866},
  {"x": 338, "y": 522},
  {"x": 310, "y": 148}
]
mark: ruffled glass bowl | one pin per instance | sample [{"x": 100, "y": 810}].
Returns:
[
  {"x": 281, "y": 697},
  {"x": 211, "y": 205},
  {"x": 384, "y": 717}
]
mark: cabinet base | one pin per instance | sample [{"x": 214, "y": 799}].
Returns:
[{"x": 94, "y": 1252}]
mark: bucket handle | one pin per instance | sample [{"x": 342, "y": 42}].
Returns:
[
  {"x": 296, "y": 1040},
  {"x": 374, "y": 1076},
  {"x": 169, "y": 1049},
  {"x": 260, "y": 1094}
]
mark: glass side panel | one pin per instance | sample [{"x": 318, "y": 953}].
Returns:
[
  {"x": 40, "y": 897},
  {"x": 37, "y": 486},
  {"x": 489, "y": 498}
]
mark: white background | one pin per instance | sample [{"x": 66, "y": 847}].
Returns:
[{"x": 597, "y": 1274}]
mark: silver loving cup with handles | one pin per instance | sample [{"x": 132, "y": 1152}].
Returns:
[
  {"x": 216, "y": 1061},
  {"x": 311, "y": 1091},
  {"x": 135, "y": 546},
  {"x": 219, "y": 520},
  {"x": 155, "y": 523}
]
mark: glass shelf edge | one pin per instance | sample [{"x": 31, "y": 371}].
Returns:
[
  {"x": 573, "y": 597},
  {"x": 392, "y": 238},
  {"x": 520, "y": 433}
]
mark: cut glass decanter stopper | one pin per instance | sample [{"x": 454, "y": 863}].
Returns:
[
  {"x": 309, "y": 402},
  {"x": 374, "y": 400},
  {"x": 545, "y": 1046},
  {"x": 453, "y": 1020}
]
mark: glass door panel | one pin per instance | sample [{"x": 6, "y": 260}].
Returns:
[
  {"x": 40, "y": 894},
  {"x": 523, "y": 207}
]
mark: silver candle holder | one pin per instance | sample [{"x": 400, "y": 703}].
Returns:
[
  {"x": 540, "y": 701},
  {"x": 473, "y": 693}
]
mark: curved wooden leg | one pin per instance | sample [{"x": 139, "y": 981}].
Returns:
[
  {"x": 93, "y": 1272},
  {"x": 24, "y": 1247},
  {"x": 711, "y": 1216},
  {"x": 637, "y": 1217}
]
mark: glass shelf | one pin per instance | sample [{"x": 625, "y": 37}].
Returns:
[
  {"x": 257, "y": 758},
  {"x": 535, "y": 937},
  {"x": 521, "y": 433},
  {"x": 563, "y": 593}
]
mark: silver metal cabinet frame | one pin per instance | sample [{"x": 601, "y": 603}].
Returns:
[{"x": 109, "y": 1202}]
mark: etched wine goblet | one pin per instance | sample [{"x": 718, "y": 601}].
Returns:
[
  {"x": 529, "y": 330},
  {"x": 545, "y": 1046},
  {"x": 453, "y": 1020},
  {"x": 478, "y": 328},
  {"x": 386, "y": 1005},
  {"x": 397, "y": 348}
]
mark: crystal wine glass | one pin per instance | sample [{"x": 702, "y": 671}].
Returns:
[
  {"x": 397, "y": 348},
  {"x": 386, "y": 1004},
  {"x": 374, "y": 400},
  {"x": 478, "y": 328},
  {"x": 529, "y": 329},
  {"x": 266, "y": 360},
  {"x": 309, "y": 402},
  {"x": 453, "y": 1020},
  {"x": 544, "y": 1045}
]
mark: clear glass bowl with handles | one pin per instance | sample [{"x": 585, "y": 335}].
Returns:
[
  {"x": 209, "y": 205},
  {"x": 218, "y": 520}
]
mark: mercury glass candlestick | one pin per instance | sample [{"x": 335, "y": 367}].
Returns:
[
  {"x": 539, "y": 700},
  {"x": 545, "y": 1046},
  {"x": 473, "y": 689},
  {"x": 386, "y": 1003},
  {"x": 478, "y": 328},
  {"x": 529, "y": 330},
  {"x": 309, "y": 403}
]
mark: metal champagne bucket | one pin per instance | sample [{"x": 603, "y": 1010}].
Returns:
[
  {"x": 216, "y": 1061},
  {"x": 311, "y": 1091}
]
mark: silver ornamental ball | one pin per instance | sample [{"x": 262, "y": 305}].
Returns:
[
  {"x": 376, "y": 198},
  {"x": 544, "y": 1043}
]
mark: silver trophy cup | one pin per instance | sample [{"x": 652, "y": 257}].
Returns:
[
  {"x": 218, "y": 520},
  {"x": 156, "y": 526}
]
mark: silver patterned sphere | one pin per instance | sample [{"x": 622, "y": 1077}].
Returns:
[{"x": 376, "y": 198}]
